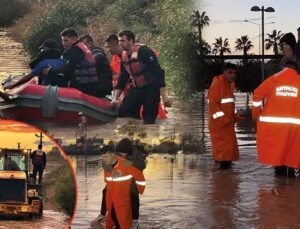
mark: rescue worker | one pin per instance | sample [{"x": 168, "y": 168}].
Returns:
[
  {"x": 297, "y": 48},
  {"x": 112, "y": 46},
  {"x": 49, "y": 55},
  {"x": 79, "y": 68},
  {"x": 39, "y": 161},
  {"x": 102, "y": 65},
  {"x": 288, "y": 44},
  {"x": 121, "y": 81},
  {"x": 146, "y": 75},
  {"x": 133, "y": 156},
  {"x": 118, "y": 193},
  {"x": 222, "y": 117},
  {"x": 278, "y": 121}
]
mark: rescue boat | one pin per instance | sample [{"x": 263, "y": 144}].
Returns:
[{"x": 55, "y": 104}]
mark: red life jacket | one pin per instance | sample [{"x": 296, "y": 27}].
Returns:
[
  {"x": 134, "y": 67},
  {"x": 86, "y": 71}
]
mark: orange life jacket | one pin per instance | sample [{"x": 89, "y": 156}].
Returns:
[
  {"x": 115, "y": 66},
  {"x": 86, "y": 71},
  {"x": 135, "y": 68}
]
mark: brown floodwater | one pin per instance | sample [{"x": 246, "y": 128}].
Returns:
[{"x": 187, "y": 190}]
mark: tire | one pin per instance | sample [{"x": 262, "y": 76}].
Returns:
[{"x": 41, "y": 209}]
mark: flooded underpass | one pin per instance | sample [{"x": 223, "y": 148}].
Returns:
[{"x": 188, "y": 190}]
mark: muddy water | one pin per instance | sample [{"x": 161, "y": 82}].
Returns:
[
  {"x": 50, "y": 220},
  {"x": 12, "y": 57},
  {"x": 191, "y": 192}
]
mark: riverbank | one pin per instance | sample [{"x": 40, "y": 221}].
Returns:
[{"x": 59, "y": 189}]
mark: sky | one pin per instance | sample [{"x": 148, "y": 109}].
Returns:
[
  {"x": 12, "y": 132},
  {"x": 222, "y": 12}
]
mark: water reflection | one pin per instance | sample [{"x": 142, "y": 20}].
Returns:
[{"x": 184, "y": 191}]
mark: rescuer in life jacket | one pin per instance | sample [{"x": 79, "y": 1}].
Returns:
[
  {"x": 147, "y": 77},
  {"x": 39, "y": 161},
  {"x": 114, "y": 49},
  {"x": 79, "y": 68},
  {"x": 118, "y": 190},
  {"x": 102, "y": 65}
]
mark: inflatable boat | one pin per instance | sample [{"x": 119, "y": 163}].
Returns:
[{"x": 50, "y": 103}]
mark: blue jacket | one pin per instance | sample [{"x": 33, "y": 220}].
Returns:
[{"x": 58, "y": 64}]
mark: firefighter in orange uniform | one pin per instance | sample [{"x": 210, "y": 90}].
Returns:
[
  {"x": 222, "y": 117},
  {"x": 118, "y": 197},
  {"x": 278, "y": 122}
]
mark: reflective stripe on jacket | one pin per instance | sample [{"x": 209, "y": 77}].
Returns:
[
  {"x": 118, "y": 192},
  {"x": 278, "y": 126},
  {"x": 221, "y": 120}
]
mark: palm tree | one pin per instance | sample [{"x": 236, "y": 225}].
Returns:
[
  {"x": 200, "y": 21},
  {"x": 243, "y": 44},
  {"x": 221, "y": 46},
  {"x": 273, "y": 40}
]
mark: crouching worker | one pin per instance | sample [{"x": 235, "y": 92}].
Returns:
[{"x": 124, "y": 183}]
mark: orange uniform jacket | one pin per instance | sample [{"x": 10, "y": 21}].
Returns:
[
  {"x": 115, "y": 66},
  {"x": 221, "y": 120},
  {"x": 118, "y": 193},
  {"x": 278, "y": 126}
]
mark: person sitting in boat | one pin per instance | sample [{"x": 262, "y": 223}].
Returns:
[
  {"x": 104, "y": 71},
  {"x": 49, "y": 55},
  {"x": 79, "y": 68}
]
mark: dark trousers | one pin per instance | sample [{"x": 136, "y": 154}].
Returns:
[
  {"x": 135, "y": 201},
  {"x": 38, "y": 169},
  {"x": 148, "y": 96}
]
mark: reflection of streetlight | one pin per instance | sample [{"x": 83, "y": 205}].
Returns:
[
  {"x": 263, "y": 10},
  {"x": 258, "y": 31}
]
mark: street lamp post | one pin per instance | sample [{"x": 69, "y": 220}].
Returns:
[
  {"x": 259, "y": 41},
  {"x": 258, "y": 34},
  {"x": 263, "y": 10}
]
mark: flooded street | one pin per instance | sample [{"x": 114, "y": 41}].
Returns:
[
  {"x": 186, "y": 190},
  {"x": 192, "y": 192}
]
